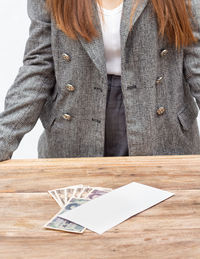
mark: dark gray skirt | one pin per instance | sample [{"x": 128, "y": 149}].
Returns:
[{"x": 115, "y": 124}]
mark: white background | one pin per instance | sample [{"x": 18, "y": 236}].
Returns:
[{"x": 14, "y": 27}]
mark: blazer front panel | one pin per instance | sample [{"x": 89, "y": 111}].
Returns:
[
  {"x": 149, "y": 81},
  {"x": 175, "y": 131}
]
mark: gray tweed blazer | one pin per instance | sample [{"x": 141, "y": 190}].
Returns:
[{"x": 63, "y": 83}]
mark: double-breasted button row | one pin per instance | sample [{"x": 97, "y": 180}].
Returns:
[
  {"x": 69, "y": 86},
  {"x": 159, "y": 79},
  {"x": 66, "y": 57}
]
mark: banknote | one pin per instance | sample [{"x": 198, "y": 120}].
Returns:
[
  {"x": 58, "y": 223},
  {"x": 61, "y": 195},
  {"x": 64, "y": 195},
  {"x": 55, "y": 196},
  {"x": 70, "y": 193},
  {"x": 96, "y": 193},
  {"x": 85, "y": 192},
  {"x": 79, "y": 191}
]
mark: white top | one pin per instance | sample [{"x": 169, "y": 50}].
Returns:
[{"x": 111, "y": 38}]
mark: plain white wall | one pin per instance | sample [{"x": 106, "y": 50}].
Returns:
[{"x": 14, "y": 26}]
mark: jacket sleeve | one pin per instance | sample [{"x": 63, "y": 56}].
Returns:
[
  {"x": 33, "y": 83},
  {"x": 191, "y": 62}
]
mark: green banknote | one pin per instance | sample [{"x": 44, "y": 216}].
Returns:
[{"x": 59, "y": 223}]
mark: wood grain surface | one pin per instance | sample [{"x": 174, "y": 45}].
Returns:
[{"x": 170, "y": 229}]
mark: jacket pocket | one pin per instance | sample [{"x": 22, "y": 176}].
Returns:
[
  {"x": 48, "y": 115},
  {"x": 187, "y": 115},
  {"x": 48, "y": 122}
]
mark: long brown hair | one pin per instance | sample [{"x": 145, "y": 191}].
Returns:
[{"x": 173, "y": 16}]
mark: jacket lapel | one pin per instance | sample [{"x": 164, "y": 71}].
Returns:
[
  {"x": 124, "y": 27},
  {"x": 95, "y": 48}
]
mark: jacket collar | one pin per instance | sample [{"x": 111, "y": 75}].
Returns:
[{"x": 95, "y": 48}]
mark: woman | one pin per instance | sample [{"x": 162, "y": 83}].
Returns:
[{"x": 124, "y": 85}]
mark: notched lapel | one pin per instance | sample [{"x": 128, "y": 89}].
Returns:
[
  {"x": 95, "y": 48},
  {"x": 124, "y": 26}
]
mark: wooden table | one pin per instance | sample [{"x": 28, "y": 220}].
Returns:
[{"x": 170, "y": 229}]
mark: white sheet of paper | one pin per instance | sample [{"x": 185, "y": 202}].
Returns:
[{"x": 110, "y": 209}]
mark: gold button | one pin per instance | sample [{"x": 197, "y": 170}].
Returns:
[
  {"x": 67, "y": 116},
  {"x": 163, "y": 52},
  {"x": 159, "y": 79},
  {"x": 161, "y": 110},
  {"x": 66, "y": 56},
  {"x": 70, "y": 87}
]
